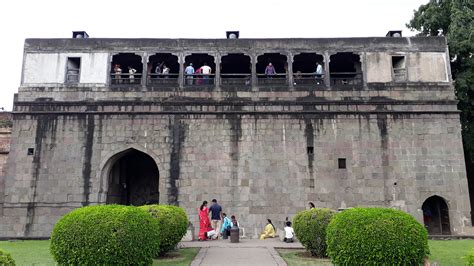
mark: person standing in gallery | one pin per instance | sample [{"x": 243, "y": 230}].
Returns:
[
  {"x": 132, "y": 71},
  {"x": 206, "y": 71},
  {"x": 270, "y": 70},
  {"x": 189, "y": 72}
]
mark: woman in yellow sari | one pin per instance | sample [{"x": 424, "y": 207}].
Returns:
[{"x": 269, "y": 230}]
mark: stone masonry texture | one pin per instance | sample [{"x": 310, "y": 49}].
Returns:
[{"x": 263, "y": 152}]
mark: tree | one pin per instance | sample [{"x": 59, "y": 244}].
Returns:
[{"x": 455, "y": 20}]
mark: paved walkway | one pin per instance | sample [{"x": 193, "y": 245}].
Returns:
[{"x": 246, "y": 252}]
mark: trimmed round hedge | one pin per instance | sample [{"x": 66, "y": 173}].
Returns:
[
  {"x": 6, "y": 259},
  {"x": 172, "y": 222},
  {"x": 310, "y": 229},
  {"x": 105, "y": 235},
  {"x": 376, "y": 236}
]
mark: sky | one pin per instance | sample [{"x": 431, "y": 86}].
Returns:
[{"x": 21, "y": 19}]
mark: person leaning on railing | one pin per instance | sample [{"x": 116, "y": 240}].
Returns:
[
  {"x": 189, "y": 71},
  {"x": 270, "y": 70},
  {"x": 206, "y": 71},
  {"x": 319, "y": 72}
]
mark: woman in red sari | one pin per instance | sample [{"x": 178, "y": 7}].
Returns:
[{"x": 204, "y": 222}]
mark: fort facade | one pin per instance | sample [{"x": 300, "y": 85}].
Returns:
[{"x": 378, "y": 127}]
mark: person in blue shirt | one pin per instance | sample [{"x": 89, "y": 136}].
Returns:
[
  {"x": 226, "y": 225},
  {"x": 189, "y": 71}
]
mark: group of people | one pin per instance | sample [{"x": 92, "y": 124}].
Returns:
[
  {"x": 203, "y": 74},
  {"x": 162, "y": 70},
  {"x": 270, "y": 70},
  {"x": 118, "y": 74},
  {"x": 269, "y": 231},
  {"x": 219, "y": 224}
]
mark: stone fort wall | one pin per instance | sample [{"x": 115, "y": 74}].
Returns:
[
  {"x": 257, "y": 166},
  {"x": 262, "y": 151}
]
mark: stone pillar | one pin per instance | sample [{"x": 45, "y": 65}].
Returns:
[
  {"x": 253, "y": 63},
  {"x": 327, "y": 78},
  {"x": 363, "y": 68},
  {"x": 217, "y": 61},
  {"x": 289, "y": 61},
  {"x": 144, "y": 70},
  {"x": 181, "y": 58}
]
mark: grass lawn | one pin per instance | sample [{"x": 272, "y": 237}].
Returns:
[
  {"x": 449, "y": 252},
  {"x": 444, "y": 252},
  {"x": 298, "y": 257},
  {"x": 36, "y": 252}
]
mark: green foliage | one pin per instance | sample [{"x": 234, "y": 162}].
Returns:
[
  {"x": 310, "y": 229},
  {"x": 456, "y": 19},
  {"x": 6, "y": 259},
  {"x": 105, "y": 235},
  {"x": 172, "y": 225},
  {"x": 376, "y": 236},
  {"x": 469, "y": 258}
]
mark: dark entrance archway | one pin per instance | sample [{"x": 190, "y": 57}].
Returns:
[
  {"x": 436, "y": 216},
  {"x": 133, "y": 179}
]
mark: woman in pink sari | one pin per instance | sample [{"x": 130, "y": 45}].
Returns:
[{"x": 204, "y": 222}]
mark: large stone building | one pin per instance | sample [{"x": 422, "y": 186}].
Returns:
[{"x": 378, "y": 127}]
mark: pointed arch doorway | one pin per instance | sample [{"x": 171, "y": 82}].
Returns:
[
  {"x": 133, "y": 179},
  {"x": 436, "y": 216}
]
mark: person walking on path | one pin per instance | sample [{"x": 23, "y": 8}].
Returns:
[
  {"x": 216, "y": 211},
  {"x": 204, "y": 223}
]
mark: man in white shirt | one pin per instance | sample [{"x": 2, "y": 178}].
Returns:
[
  {"x": 319, "y": 72},
  {"x": 206, "y": 71}
]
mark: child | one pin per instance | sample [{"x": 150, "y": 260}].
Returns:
[
  {"x": 226, "y": 225},
  {"x": 289, "y": 233},
  {"x": 234, "y": 221}
]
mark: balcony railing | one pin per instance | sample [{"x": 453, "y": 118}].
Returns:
[
  {"x": 126, "y": 79},
  {"x": 399, "y": 74},
  {"x": 268, "y": 80},
  {"x": 346, "y": 78},
  {"x": 163, "y": 79},
  {"x": 199, "y": 80},
  {"x": 308, "y": 79},
  {"x": 236, "y": 79},
  {"x": 72, "y": 76}
]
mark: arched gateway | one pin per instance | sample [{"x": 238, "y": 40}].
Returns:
[
  {"x": 133, "y": 179},
  {"x": 436, "y": 216}
]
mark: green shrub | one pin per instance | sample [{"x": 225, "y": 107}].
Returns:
[
  {"x": 310, "y": 229},
  {"x": 6, "y": 259},
  {"x": 105, "y": 235},
  {"x": 376, "y": 236},
  {"x": 469, "y": 258},
  {"x": 172, "y": 222}
]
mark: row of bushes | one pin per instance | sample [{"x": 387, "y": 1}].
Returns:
[
  {"x": 117, "y": 235},
  {"x": 363, "y": 236}
]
